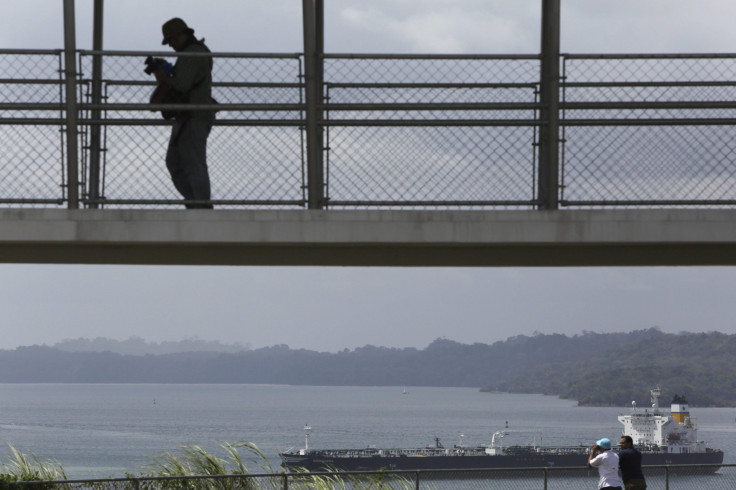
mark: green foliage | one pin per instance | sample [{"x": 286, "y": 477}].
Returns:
[
  {"x": 381, "y": 481},
  {"x": 698, "y": 366},
  {"x": 6, "y": 480},
  {"x": 24, "y": 468},
  {"x": 442, "y": 363},
  {"x": 195, "y": 461},
  {"x": 196, "y": 469}
]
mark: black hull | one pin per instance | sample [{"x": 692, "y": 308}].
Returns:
[{"x": 317, "y": 462}]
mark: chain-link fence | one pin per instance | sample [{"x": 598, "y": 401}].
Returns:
[
  {"x": 398, "y": 131},
  {"x": 31, "y": 122},
  {"x": 255, "y": 153},
  {"x": 649, "y": 130},
  {"x": 712, "y": 477},
  {"x": 431, "y": 131}
]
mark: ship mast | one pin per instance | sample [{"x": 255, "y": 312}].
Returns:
[
  {"x": 307, "y": 430},
  {"x": 655, "y": 399}
]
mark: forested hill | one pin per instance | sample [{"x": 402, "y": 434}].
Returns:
[
  {"x": 592, "y": 368},
  {"x": 137, "y": 346},
  {"x": 699, "y": 366},
  {"x": 442, "y": 363}
]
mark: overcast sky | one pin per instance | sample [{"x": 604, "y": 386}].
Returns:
[{"x": 329, "y": 309}]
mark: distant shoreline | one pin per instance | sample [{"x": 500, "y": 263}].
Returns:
[{"x": 698, "y": 365}]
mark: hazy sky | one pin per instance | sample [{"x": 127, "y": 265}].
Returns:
[{"x": 329, "y": 309}]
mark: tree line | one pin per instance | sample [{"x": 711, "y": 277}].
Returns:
[{"x": 593, "y": 368}]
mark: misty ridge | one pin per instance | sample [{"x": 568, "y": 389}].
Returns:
[
  {"x": 591, "y": 368},
  {"x": 137, "y": 346}
]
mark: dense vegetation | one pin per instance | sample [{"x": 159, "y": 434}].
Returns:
[
  {"x": 699, "y": 366},
  {"x": 23, "y": 468},
  {"x": 193, "y": 469},
  {"x": 137, "y": 346},
  {"x": 595, "y": 369},
  {"x": 442, "y": 363}
]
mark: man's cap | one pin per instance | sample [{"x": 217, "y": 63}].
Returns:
[
  {"x": 174, "y": 27},
  {"x": 605, "y": 443}
]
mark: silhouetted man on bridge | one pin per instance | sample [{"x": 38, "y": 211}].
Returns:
[{"x": 190, "y": 82}]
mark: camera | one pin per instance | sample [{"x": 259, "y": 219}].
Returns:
[{"x": 153, "y": 64}]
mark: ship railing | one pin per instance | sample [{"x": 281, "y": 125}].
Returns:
[
  {"x": 712, "y": 477},
  {"x": 453, "y": 451},
  {"x": 355, "y": 453},
  {"x": 565, "y": 450}
]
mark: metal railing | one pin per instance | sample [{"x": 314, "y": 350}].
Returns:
[
  {"x": 431, "y": 131},
  {"x": 657, "y": 477},
  {"x": 31, "y": 122},
  {"x": 256, "y": 151},
  {"x": 396, "y": 131},
  {"x": 649, "y": 130}
]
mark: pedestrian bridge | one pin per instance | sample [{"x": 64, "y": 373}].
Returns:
[
  {"x": 370, "y": 238},
  {"x": 375, "y": 159}
]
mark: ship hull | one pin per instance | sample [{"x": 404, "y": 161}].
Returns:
[
  {"x": 317, "y": 462},
  {"x": 663, "y": 440}
]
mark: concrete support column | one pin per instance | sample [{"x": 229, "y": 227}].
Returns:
[
  {"x": 313, "y": 17},
  {"x": 95, "y": 140},
  {"x": 70, "y": 77},
  {"x": 548, "y": 183}
]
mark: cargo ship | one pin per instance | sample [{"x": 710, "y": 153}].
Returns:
[{"x": 663, "y": 437}]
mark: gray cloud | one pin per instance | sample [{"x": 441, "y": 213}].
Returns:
[
  {"x": 335, "y": 308},
  {"x": 471, "y": 26},
  {"x": 329, "y": 309}
]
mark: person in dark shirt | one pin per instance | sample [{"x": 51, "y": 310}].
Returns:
[
  {"x": 186, "y": 157},
  {"x": 629, "y": 460}
]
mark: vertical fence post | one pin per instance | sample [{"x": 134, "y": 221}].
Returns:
[
  {"x": 550, "y": 100},
  {"x": 313, "y": 19},
  {"x": 70, "y": 77},
  {"x": 95, "y": 141}
]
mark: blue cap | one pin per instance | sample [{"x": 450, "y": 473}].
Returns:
[{"x": 605, "y": 443}]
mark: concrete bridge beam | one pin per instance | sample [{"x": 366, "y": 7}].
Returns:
[{"x": 370, "y": 238}]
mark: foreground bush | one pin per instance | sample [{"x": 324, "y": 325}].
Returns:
[
  {"x": 22, "y": 468},
  {"x": 188, "y": 467}
]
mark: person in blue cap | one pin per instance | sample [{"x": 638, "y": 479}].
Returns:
[{"x": 606, "y": 461}]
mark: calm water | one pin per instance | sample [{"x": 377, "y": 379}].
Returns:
[{"x": 107, "y": 430}]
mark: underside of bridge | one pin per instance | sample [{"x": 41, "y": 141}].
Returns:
[{"x": 370, "y": 238}]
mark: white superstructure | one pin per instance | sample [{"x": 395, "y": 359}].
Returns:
[{"x": 673, "y": 431}]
